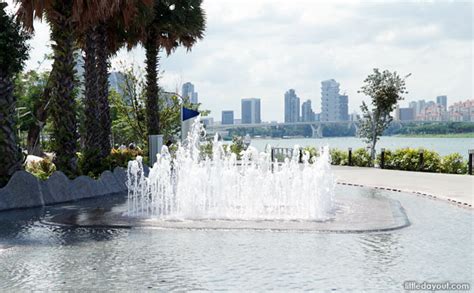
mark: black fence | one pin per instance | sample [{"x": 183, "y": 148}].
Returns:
[{"x": 280, "y": 154}]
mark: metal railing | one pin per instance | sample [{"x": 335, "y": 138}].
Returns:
[{"x": 279, "y": 154}]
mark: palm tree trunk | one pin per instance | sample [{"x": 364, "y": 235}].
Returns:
[
  {"x": 91, "y": 103},
  {"x": 152, "y": 110},
  {"x": 103, "y": 91},
  {"x": 63, "y": 105},
  {"x": 11, "y": 157}
]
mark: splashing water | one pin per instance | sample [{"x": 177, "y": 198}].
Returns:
[{"x": 191, "y": 187}]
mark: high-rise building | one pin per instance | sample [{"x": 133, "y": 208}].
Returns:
[
  {"x": 433, "y": 112},
  {"x": 462, "y": 111},
  {"x": 442, "y": 100},
  {"x": 334, "y": 107},
  {"x": 227, "y": 117},
  {"x": 413, "y": 105},
  {"x": 420, "y": 106},
  {"x": 343, "y": 108},
  {"x": 292, "y": 106},
  {"x": 251, "y": 111},
  {"x": 307, "y": 114},
  {"x": 317, "y": 116},
  {"x": 187, "y": 91},
  {"x": 405, "y": 114}
]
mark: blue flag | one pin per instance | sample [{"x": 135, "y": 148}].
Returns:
[{"x": 188, "y": 114}]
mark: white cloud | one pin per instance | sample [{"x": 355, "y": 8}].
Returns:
[{"x": 261, "y": 48}]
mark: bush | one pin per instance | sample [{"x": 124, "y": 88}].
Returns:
[
  {"x": 338, "y": 157},
  {"x": 312, "y": 151},
  {"x": 408, "y": 159},
  {"x": 431, "y": 161},
  {"x": 361, "y": 158},
  {"x": 121, "y": 157},
  {"x": 454, "y": 164},
  {"x": 90, "y": 163},
  {"x": 237, "y": 146},
  {"x": 116, "y": 158},
  {"x": 42, "y": 169}
]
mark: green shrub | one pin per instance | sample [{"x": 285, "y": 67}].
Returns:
[
  {"x": 338, "y": 157},
  {"x": 454, "y": 164},
  {"x": 408, "y": 159},
  {"x": 120, "y": 158},
  {"x": 361, "y": 158},
  {"x": 237, "y": 146},
  {"x": 90, "y": 163},
  {"x": 312, "y": 151},
  {"x": 431, "y": 161},
  {"x": 42, "y": 169},
  {"x": 205, "y": 150}
]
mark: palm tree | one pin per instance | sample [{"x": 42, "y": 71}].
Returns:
[
  {"x": 112, "y": 34},
  {"x": 173, "y": 23},
  {"x": 101, "y": 35},
  {"x": 13, "y": 53},
  {"x": 89, "y": 17},
  {"x": 59, "y": 14}
]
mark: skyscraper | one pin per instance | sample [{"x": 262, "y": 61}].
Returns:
[
  {"x": 227, "y": 117},
  {"x": 292, "y": 106},
  {"x": 442, "y": 100},
  {"x": 343, "y": 108},
  {"x": 420, "y": 106},
  {"x": 307, "y": 114},
  {"x": 187, "y": 91},
  {"x": 334, "y": 107},
  {"x": 251, "y": 111}
]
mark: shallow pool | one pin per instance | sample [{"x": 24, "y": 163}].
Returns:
[{"x": 436, "y": 247}]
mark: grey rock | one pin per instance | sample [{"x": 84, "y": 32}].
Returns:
[
  {"x": 25, "y": 190},
  {"x": 57, "y": 189},
  {"x": 121, "y": 177},
  {"x": 83, "y": 187},
  {"x": 22, "y": 191}
]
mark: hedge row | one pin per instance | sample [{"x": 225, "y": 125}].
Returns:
[{"x": 407, "y": 159}]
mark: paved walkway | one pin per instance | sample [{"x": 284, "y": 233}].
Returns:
[{"x": 455, "y": 188}]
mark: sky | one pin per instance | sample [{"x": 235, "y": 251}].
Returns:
[{"x": 262, "y": 48}]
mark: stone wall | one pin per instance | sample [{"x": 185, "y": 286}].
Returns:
[{"x": 25, "y": 190}]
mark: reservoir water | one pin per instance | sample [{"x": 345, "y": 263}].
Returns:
[{"x": 443, "y": 146}]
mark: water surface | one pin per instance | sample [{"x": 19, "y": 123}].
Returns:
[
  {"x": 436, "y": 247},
  {"x": 443, "y": 146}
]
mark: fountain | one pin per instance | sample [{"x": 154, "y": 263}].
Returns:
[
  {"x": 190, "y": 186},
  {"x": 189, "y": 190}
]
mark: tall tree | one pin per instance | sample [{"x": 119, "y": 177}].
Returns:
[
  {"x": 89, "y": 16},
  {"x": 102, "y": 32},
  {"x": 59, "y": 14},
  {"x": 173, "y": 23},
  {"x": 385, "y": 89},
  {"x": 13, "y": 53}
]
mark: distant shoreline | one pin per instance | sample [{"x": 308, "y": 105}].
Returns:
[{"x": 449, "y": 135}]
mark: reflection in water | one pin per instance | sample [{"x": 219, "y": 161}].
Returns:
[
  {"x": 382, "y": 253},
  {"x": 45, "y": 257},
  {"x": 25, "y": 227}
]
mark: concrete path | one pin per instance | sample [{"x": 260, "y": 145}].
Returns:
[{"x": 454, "y": 188}]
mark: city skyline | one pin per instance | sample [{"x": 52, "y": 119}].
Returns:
[{"x": 431, "y": 40}]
